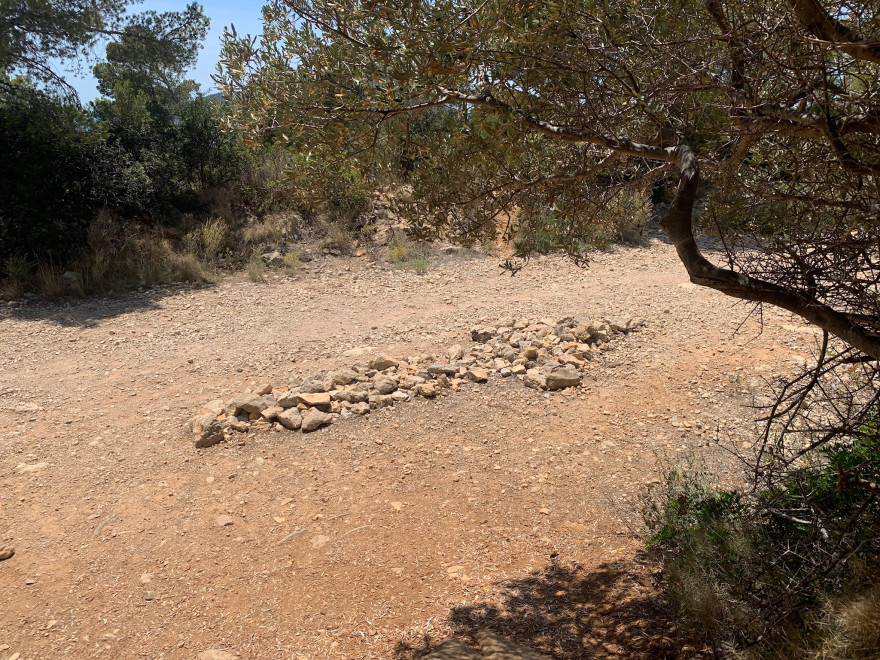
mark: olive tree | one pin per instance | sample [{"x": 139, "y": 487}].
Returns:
[{"x": 761, "y": 120}]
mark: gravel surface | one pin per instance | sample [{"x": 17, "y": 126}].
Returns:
[{"x": 377, "y": 536}]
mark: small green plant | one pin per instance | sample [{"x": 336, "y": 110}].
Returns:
[
  {"x": 291, "y": 262},
  {"x": 17, "y": 272},
  {"x": 256, "y": 267},
  {"x": 408, "y": 253},
  {"x": 420, "y": 264},
  {"x": 398, "y": 249}
]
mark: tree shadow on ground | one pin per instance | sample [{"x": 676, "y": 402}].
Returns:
[
  {"x": 89, "y": 312},
  {"x": 567, "y": 611}
]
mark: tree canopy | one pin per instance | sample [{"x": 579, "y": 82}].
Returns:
[
  {"x": 33, "y": 33},
  {"x": 765, "y": 121},
  {"x": 151, "y": 57}
]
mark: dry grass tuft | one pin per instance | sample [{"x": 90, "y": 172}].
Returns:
[{"x": 856, "y": 628}]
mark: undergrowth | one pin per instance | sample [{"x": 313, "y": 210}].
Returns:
[
  {"x": 407, "y": 253},
  {"x": 787, "y": 571}
]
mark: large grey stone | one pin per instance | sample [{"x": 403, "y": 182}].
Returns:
[
  {"x": 313, "y": 419},
  {"x": 210, "y": 434},
  {"x": 384, "y": 384},
  {"x": 562, "y": 377},
  {"x": 313, "y": 384},
  {"x": 453, "y": 649},
  {"x": 410, "y": 382},
  {"x": 249, "y": 403},
  {"x": 286, "y": 398},
  {"x": 382, "y": 362},
  {"x": 290, "y": 419},
  {"x": 342, "y": 376},
  {"x": 361, "y": 408},
  {"x": 495, "y": 647}
]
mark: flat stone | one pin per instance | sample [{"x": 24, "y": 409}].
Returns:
[
  {"x": 570, "y": 360},
  {"x": 361, "y": 408},
  {"x": 314, "y": 399},
  {"x": 562, "y": 377},
  {"x": 313, "y": 419},
  {"x": 24, "y": 468},
  {"x": 290, "y": 419},
  {"x": 270, "y": 413},
  {"x": 382, "y": 362},
  {"x": 478, "y": 375},
  {"x": 446, "y": 369},
  {"x": 224, "y": 520}
]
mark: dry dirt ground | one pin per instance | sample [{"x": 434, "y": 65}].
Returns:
[{"x": 495, "y": 507}]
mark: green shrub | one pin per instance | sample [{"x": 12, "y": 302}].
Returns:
[
  {"x": 420, "y": 265},
  {"x": 398, "y": 249},
  {"x": 207, "y": 240},
  {"x": 758, "y": 571},
  {"x": 291, "y": 262},
  {"x": 256, "y": 267}
]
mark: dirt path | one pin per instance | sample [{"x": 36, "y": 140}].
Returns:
[{"x": 497, "y": 506}]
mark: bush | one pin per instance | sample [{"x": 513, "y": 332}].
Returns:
[
  {"x": 256, "y": 267},
  {"x": 46, "y": 176},
  {"x": 784, "y": 571}
]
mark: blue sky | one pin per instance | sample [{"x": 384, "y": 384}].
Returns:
[{"x": 246, "y": 16}]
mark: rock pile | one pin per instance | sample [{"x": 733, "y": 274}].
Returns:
[{"x": 542, "y": 354}]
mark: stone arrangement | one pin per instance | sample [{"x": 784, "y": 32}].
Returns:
[{"x": 542, "y": 354}]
